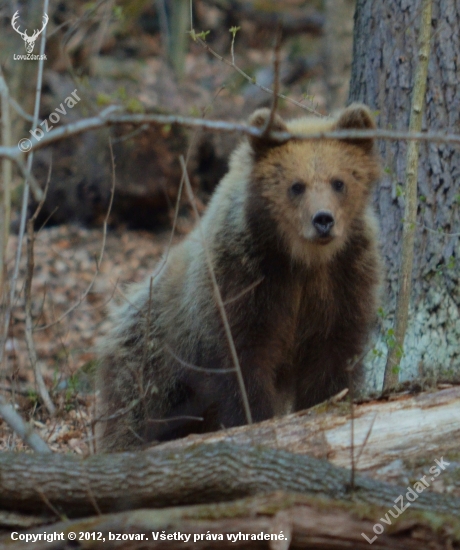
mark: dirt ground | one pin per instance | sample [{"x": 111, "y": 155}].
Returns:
[{"x": 65, "y": 266}]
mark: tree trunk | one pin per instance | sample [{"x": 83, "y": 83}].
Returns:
[
  {"x": 384, "y": 62},
  {"x": 337, "y": 44}
]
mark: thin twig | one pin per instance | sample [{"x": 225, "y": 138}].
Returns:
[
  {"x": 159, "y": 268},
  {"x": 276, "y": 85},
  {"x": 101, "y": 252},
  {"x": 103, "y": 27},
  {"x": 249, "y": 78},
  {"x": 25, "y": 432},
  {"x": 351, "y": 390},
  {"x": 369, "y": 431},
  {"x": 20, "y": 111},
  {"x": 50, "y": 506},
  {"x": 163, "y": 24},
  {"x": 41, "y": 386},
  {"x": 14, "y": 390},
  {"x": 243, "y": 292},
  {"x": 439, "y": 232},
  {"x": 218, "y": 298},
  {"x": 5, "y": 188},
  {"x": 25, "y": 197},
  {"x": 118, "y": 414},
  {"x": 170, "y": 418},
  {"x": 194, "y": 367},
  {"x": 145, "y": 351}
]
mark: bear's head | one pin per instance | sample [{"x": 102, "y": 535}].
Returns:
[{"x": 317, "y": 192}]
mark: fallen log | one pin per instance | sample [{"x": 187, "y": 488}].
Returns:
[
  {"x": 315, "y": 505},
  {"x": 202, "y": 473},
  {"x": 405, "y": 427}
]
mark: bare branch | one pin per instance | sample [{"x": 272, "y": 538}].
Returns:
[
  {"x": 276, "y": 84},
  {"x": 249, "y": 78},
  {"x": 439, "y": 232},
  {"x": 194, "y": 367},
  {"x": 244, "y": 291},
  {"x": 109, "y": 118},
  {"x": 20, "y": 111},
  {"x": 17, "y": 424},
  {"x": 29, "y": 181},
  {"x": 101, "y": 252},
  {"x": 5, "y": 188},
  {"x": 42, "y": 389}
]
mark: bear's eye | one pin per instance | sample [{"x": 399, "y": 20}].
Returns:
[
  {"x": 338, "y": 185},
  {"x": 297, "y": 188}
]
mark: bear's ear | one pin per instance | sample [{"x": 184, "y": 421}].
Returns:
[
  {"x": 259, "y": 119},
  {"x": 357, "y": 117}
]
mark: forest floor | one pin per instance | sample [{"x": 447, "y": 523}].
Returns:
[{"x": 65, "y": 266}]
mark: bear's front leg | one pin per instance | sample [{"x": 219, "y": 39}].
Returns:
[
  {"x": 326, "y": 367},
  {"x": 232, "y": 407}
]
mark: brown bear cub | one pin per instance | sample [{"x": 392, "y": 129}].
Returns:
[{"x": 293, "y": 244}]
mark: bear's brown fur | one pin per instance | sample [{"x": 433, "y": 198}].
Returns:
[{"x": 293, "y": 243}]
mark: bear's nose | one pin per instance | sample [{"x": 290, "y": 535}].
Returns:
[{"x": 323, "y": 222}]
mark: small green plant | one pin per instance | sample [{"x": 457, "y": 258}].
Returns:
[
  {"x": 103, "y": 99},
  {"x": 195, "y": 35},
  {"x": 118, "y": 13},
  {"x": 32, "y": 395},
  {"x": 233, "y": 31},
  {"x": 389, "y": 338},
  {"x": 400, "y": 192},
  {"x": 71, "y": 392},
  {"x": 133, "y": 105},
  {"x": 451, "y": 263}
]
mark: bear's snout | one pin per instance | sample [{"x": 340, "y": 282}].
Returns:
[{"x": 323, "y": 222}]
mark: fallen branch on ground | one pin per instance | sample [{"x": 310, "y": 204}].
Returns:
[
  {"x": 201, "y": 474},
  {"x": 324, "y": 431}
]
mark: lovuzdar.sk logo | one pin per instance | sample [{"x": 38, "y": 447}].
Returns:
[{"x": 29, "y": 41}]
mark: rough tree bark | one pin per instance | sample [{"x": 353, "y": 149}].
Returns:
[
  {"x": 324, "y": 432},
  {"x": 251, "y": 460},
  {"x": 245, "y": 461},
  {"x": 384, "y": 62},
  {"x": 203, "y": 473}
]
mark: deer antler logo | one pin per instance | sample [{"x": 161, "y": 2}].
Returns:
[{"x": 28, "y": 40}]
